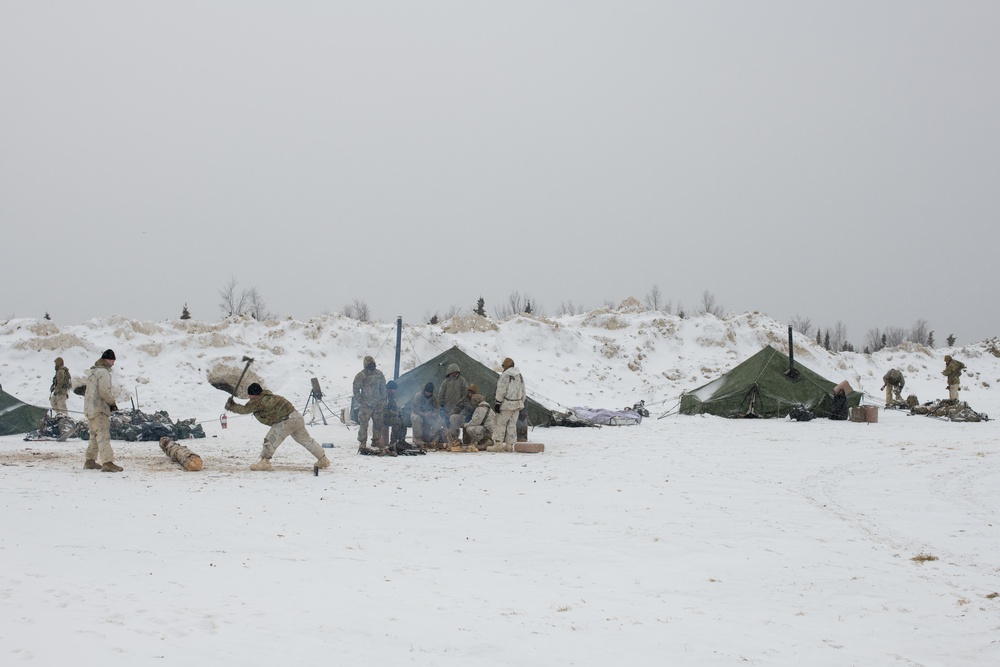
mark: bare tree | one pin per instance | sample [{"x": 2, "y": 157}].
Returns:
[
  {"x": 802, "y": 325},
  {"x": 708, "y": 305},
  {"x": 894, "y": 336},
  {"x": 232, "y": 302},
  {"x": 838, "y": 339},
  {"x": 873, "y": 339},
  {"x": 654, "y": 298},
  {"x": 918, "y": 332},
  {"x": 255, "y": 305},
  {"x": 453, "y": 311},
  {"x": 517, "y": 304},
  {"x": 358, "y": 310},
  {"x": 568, "y": 308}
]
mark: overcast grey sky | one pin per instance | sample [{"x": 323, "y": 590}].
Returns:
[{"x": 839, "y": 161}]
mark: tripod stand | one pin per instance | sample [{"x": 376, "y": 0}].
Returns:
[{"x": 316, "y": 401}]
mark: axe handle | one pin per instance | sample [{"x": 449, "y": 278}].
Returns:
[{"x": 233, "y": 395}]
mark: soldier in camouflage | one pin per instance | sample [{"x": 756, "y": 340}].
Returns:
[
  {"x": 392, "y": 418},
  {"x": 953, "y": 371},
  {"x": 479, "y": 427},
  {"x": 425, "y": 415},
  {"x": 893, "y": 383},
  {"x": 278, "y": 413},
  {"x": 451, "y": 396},
  {"x": 60, "y": 389},
  {"x": 370, "y": 396}
]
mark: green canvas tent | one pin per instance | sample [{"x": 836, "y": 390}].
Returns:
[
  {"x": 17, "y": 416},
  {"x": 762, "y": 387},
  {"x": 474, "y": 372}
]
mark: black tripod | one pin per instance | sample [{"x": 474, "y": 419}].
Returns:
[{"x": 316, "y": 400}]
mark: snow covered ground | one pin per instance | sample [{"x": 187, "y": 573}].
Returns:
[{"x": 683, "y": 541}]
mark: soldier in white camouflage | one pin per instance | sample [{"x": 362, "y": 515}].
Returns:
[{"x": 370, "y": 396}]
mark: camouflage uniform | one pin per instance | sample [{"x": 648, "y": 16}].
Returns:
[
  {"x": 98, "y": 404},
  {"x": 509, "y": 401},
  {"x": 392, "y": 418},
  {"x": 893, "y": 383},
  {"x": 953, "y": 370},
  {"x": 369, "y": 394},
  {"x": 278, "y": 413},
  {"x": 452, "y": 396},
  {"x": 425, "y": 416},
  {"x": 60, "y": 389},
  {"x": 480, "y": 425}
]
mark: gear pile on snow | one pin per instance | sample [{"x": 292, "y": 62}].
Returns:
[
  {"x": 130, "y": 425},
  {"x": 951, "y": 410}
]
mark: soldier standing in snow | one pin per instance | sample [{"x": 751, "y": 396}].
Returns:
[
  {"x": 369, "y": 394},
  {"x": 98, "y": 404},
  {"x": 893, "y": 383},
  {"x": 953, "y": 370},
  {"x": 509, "y": 401},
  {"x": 60, "y": 389},
  {"x": 278, "y": 413}
]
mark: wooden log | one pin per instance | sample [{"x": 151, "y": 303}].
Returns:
[
  {"x": 529, "y": 447},
  {"x": 181, "y": 454}
]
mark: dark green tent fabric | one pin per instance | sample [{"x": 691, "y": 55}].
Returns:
[
  {"x": 18, "y": 417},
  {"x": 761, "y": 387},
  {"x": 474, "y": 373}
]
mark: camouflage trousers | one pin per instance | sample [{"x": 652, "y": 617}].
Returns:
[
  {"x": 294, "y": 425},
  {"x": 506, "y": 426},
  {"x": 58, "y": 403},
  {"x": 953, "y": 392},
  {"x": 479, "y": 435},
  {"x": 375, "y": 416},
  {"x": 99, "y": 446},
  {"x": 393, "y": 420}
]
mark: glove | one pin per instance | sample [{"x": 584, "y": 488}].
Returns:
[
  {"x": 496, "y": 407},
  {"x": 883, "y": 386},
  {"x": 229, "y": 403}
]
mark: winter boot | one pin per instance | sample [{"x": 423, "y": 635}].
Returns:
[
  {"x": 495, "y": 447},
  {"x": 91, "y": 464},
  {"x": 323, "y": 462},
  {"x": 263, "y": 464},
  {"x": 111, "y": 467}
]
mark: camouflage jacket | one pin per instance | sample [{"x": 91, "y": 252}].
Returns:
[
  {"x": 954, "y": 371},
  {"x": 267, "y": 408},
  {"x": 369, "y": 388},
  {"x": 894, "y": 378},
  {"x": 100, "y": 394},
  {"x": 423, "y": 405},
  {"x": 483, "y": 415},
  {"x": 452, "y": 393},
  {"x": 510, "y": 390},
  {"x": 61, "y": 382}
]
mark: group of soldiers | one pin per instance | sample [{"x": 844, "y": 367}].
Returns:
[
  {"x": 893, "y": 383},
  {"x": 98, "y": 404},
  {"x": 438, "y": 416}
]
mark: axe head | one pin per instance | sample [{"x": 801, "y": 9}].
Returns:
[{"x": 246, "y": 358}]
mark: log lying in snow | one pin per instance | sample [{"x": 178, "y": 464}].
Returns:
[
  {"x": 529, "y": 447},
  {"x": 181, "y": 454}
]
